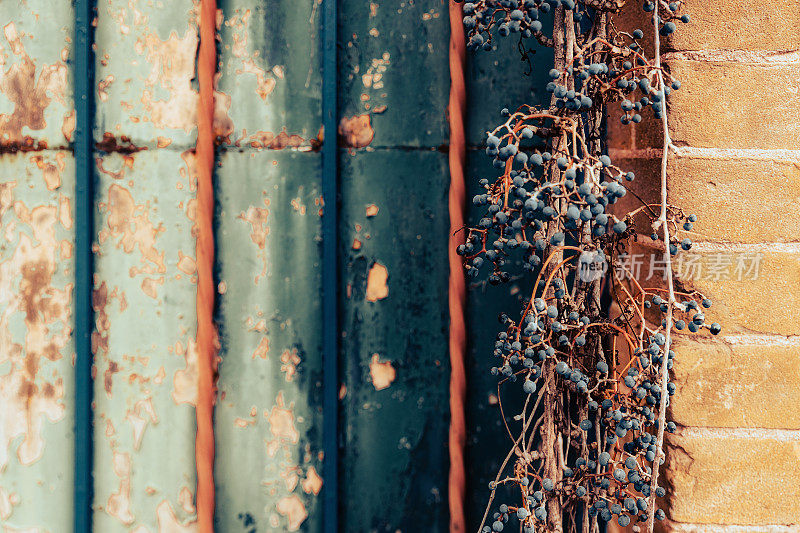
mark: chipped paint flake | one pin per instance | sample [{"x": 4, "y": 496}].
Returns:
[
  {"x": 293, "y": 509},
  {"x": 377, "y": 287},
  {"x": 381, "y": 373},
  {"x": 312, "y": 484},
  {"x": 356, "y": 131}
]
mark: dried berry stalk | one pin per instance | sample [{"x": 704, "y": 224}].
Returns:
[{"x": 591, "y": 346}]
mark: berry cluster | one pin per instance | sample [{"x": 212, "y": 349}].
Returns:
[{"x": 589, "y": 348}]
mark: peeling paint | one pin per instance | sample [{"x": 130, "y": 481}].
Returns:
[
  {"x": 293, "y": 509},
  {"x": 356, "y": 132},
  {"x": 381, "y": 373},
  {"x": 377, "y": 287},
  {"x": 31, "y": 89}
]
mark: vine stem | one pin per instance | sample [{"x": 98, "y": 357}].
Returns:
[{"x": 662, "y": 221}]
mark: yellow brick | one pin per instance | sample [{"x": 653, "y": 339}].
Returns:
[
  {"x": 762, "y": 302},
  {"x": 727, "y": 195},
  {"x": 731, "y": 105},
  {"x": 724, "y": 385},
  {"x": 738, "y": 25},
  {"x": 733, "y": 480}
]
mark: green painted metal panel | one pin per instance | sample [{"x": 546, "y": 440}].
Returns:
[
  {"x": 394, "y": 87},
  {"x": 269, "y": 89},
  {"x": 36, "y": 346},
  {"x": 393, "y": 68},
  {"x": 145, "y": 72},
  {"x": 395, "y": 365},
  {"x": 269, "y": 413},
  {"x": 36, "y": 267},
  {"x": 268, "y": 420},
  {"x": 145, "y": 358},
  {"x": 145, "y": 288}
]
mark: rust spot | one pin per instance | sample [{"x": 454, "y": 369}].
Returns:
[
  {"x": 68, "y": 126},
  {"x": 108, "y": 376},
  {"x": 150, "y": 286},
  {"x": 119, "y": 502},
  {"x": 102, "y": 87},
  {"x": 289, "y": 361},
  {"x": 139, "y": 417},
  {"x": 51, "y": 171},
  {"x": 110, "y": 144},
  {"x": 185, "y": 381},
  {"x": 186, "y": 264},
  {"x": 356, "y": 132},
  {"x": 169, "y": 523},
  {"x": 262, "y": 349},
  {"x": 29, "y": 94},
  {"x": 257, "y": 218},
  {"x": 377, "y": 288},
  {"x": 281, "y": 421},
  {"x": 381, "y": 373},
  {"x": 130, "y": 223},
  {"x": 283, "y": 140},
  {"x": 372, "y": 210},
  {"x": 356, "y": 244}
]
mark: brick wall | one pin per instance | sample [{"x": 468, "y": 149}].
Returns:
[{"x": 735, "y": 463}]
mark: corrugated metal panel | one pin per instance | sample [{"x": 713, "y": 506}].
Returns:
[
  {"x": 393, "y": 97},
  {"x": 269, "y": 411},
  {"x": 145, "y": 362},
  {"x": 393, "y": 289},
  {"x": 268, "y": 419},
  {"x": 144, "y": 300},
  {"x": 36, "y": 348},
  {"x": 36, "y": 267}
]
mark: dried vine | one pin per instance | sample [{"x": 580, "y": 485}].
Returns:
[{"x": 591, "y": 346}]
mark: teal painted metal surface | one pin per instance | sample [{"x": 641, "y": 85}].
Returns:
[
  {"x": 270, "y": 86},
  {"x": 395, "y": 366},
  {"x": 145, "y": 288},
  {"x": 145, "y": 72},
  {"x": 495, "y": 80},
  {"x": 394, "y": 71},
  {"x": 145, "y": 357},
  {"x": 36, "y": 266},
  {"x": 270, "y": 466},
  {"x": 268, "y": 420},
  {"x": 36, "y": 346},
  {"x": 394, "y": 86}
]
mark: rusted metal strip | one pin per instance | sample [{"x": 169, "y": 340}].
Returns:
[
  {"x": 206, "y": 332},
  {"x": 330, "y": 278},
  {"x": 457, "y": 296},
  {"x": 84, "y": 262}
]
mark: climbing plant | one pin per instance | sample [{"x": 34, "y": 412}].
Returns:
[{"x": 591, "y": 349}]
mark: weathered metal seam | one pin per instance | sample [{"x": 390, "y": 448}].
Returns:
[
  {"x": 206, "y": 332},
  {"x": 330, "y": 276},
  {"x": 84, "y": 263}
]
